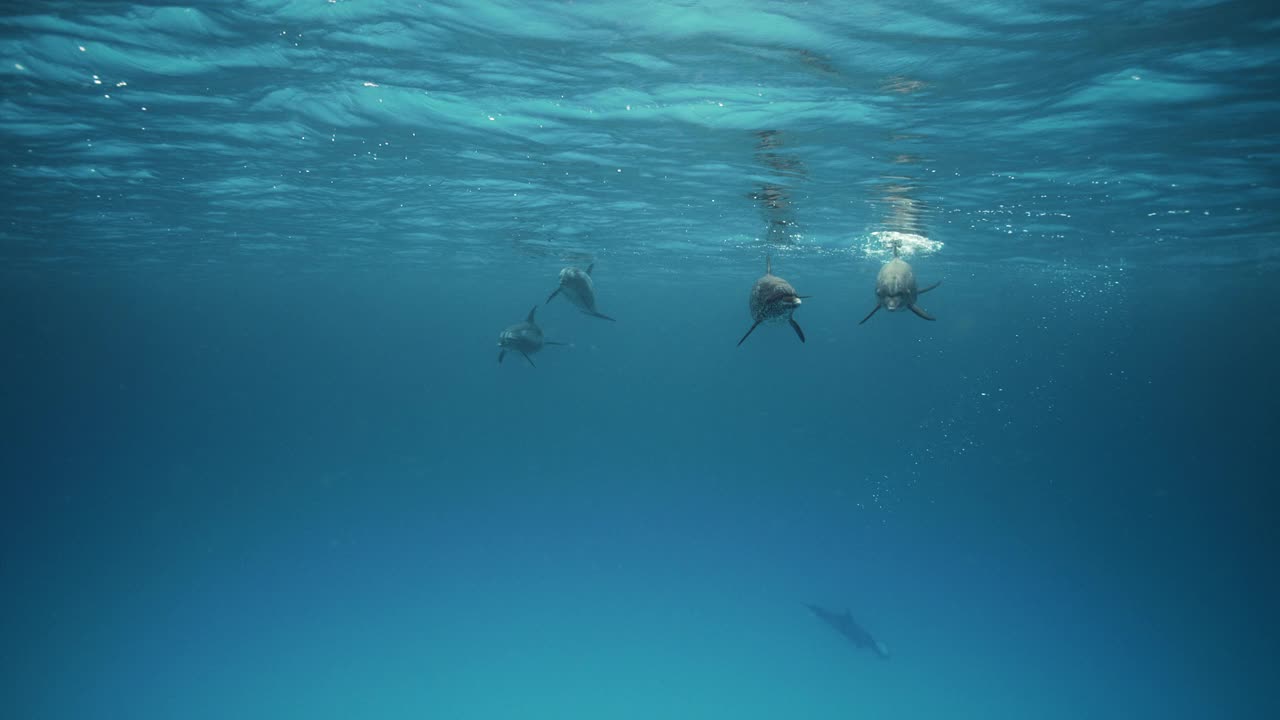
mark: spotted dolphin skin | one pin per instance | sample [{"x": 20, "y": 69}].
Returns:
[
  {"x": 850, "y": 629},
  {"x": 576, "y": 287},
  {"x": 896, "y": 289},
  {"x": 773, "y": 300},
  {"x": 524, "y": 338}
]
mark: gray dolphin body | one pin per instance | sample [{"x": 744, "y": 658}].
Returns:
[
  {"x": 896, "y": 289},
  {"x": 773, "y": 300},
  {"x": 851, "y": 630},
  {"x": 525, "y": 338},
  {"x": 576, "y": 286}
]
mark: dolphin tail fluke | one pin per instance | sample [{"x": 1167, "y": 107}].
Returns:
[
  {"x": 796, "y": 326},
  {"x": 921, "y": 292},
  {"x": 754, "y": 325},
  {"x": 501, "y": 354},
  {"x": 526, "y": 357},
  {"x": 601, "y": 315},
  {"x": 531, "y": 313},
  {"x": 553, "y": 294},
  {"x": 873, "y": 312},
  {"x": 920, "y": 311}
]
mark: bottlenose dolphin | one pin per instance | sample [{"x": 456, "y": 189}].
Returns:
[
  {"x": 524, "y": 338},
  {"x": 896, "y": 289},
  {"x": 851, "y": 630},
  {"x": 773, "y": 300},
  {"x": 578, "y": 289}
]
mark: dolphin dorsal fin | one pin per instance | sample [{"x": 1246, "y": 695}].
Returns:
[
  {"x": 589, "y": 268},
  {"x": 768, "y": 264},
  {"x": 531, "y": 312}
]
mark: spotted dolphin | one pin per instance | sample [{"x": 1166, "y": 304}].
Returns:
[
  {"x": 577, "y": 288},
  {"x": 896, "y": 289},
  {"x": 850, "y": 629},
  {"x": 525, "y": 338},
  {"x": 773, "y": 300}
]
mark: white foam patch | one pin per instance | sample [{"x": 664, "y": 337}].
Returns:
[{"x": 881, "y": 243}]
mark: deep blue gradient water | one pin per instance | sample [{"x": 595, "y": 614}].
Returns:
[{"x": 258, "y": 459}]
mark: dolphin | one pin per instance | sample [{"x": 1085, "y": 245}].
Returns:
[
  {"x": 896, "y": 289},
  {"x": 524, "y": 338},
  {"x": 851, "y": 630},
  {"x": 773, "y": 300},
  {"x": 578, "y": 289}
]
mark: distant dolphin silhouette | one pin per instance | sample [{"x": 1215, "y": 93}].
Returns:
[{"x": 851, "y": 630}]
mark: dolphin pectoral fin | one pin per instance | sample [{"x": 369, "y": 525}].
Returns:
[
  {"x": 501, "y": 354},
  {"x": 917, "y": 310},
  {"x": 553, "y": 342},
  {"x": 754, "y": 325},
  {"x": 589, "y": 268},
  {"x": 921, "y": 292},
  {"x": 601, "y": 315},
  {"x": 552, "y": 295},
  {"x": 873, "y": 312},
  {"x": 526, "y": 357},
  {"x": 531, "y": 312},
  {"x": 796, "y": 326}
]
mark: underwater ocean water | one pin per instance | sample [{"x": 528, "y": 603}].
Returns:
[{"x": 260, "y": 459}]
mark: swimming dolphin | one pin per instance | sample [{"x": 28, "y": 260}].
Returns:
[
  {"x": 896, "y": 289},
  {"x": 773, "y": 300},
  {"x": 524, "y": 338},
  {"x": 851, "y": 630},
  {"x": 578, "y": 289}
]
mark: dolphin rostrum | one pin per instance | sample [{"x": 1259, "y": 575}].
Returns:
[
  {"x": 524, "y": 338},
  {"x": 577, "y": 288},
  {"x": 896, "y": 289},
  {"x": 851, "y": 630},
  {"x": 773, "y": 300}
]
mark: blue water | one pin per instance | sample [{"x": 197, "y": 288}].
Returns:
[{"x": 259, "y": 459}]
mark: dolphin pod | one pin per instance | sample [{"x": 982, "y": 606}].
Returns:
[{"x": 772, "y": 300}]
